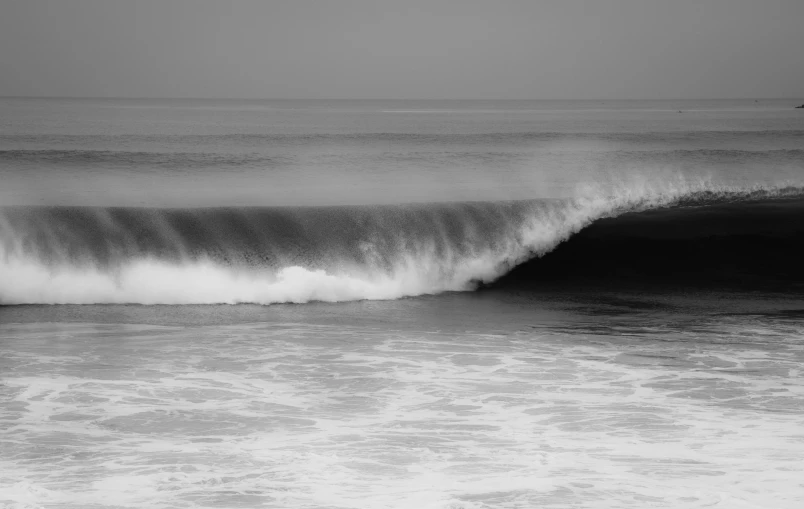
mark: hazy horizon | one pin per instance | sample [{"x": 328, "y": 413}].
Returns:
[
  {"x": 420, "y": 99},
  {"x": 447, "y": 49}
]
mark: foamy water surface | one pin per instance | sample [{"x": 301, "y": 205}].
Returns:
[{"x": 705, "y": 413}]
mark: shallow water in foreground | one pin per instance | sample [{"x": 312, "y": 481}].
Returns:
[{"x": 408, "y": 403}]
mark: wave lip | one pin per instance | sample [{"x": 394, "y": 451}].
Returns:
[{"x": 75, "y": 255}]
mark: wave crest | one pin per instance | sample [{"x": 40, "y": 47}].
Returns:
[{"x": 60, "y": 255}]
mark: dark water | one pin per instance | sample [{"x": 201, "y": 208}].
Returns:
[{"x": 401, "y": 304}]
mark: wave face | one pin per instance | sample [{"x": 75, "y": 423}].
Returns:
[
  {"x": 83, "y": 255},
  {"x": 714, "y": 244}
]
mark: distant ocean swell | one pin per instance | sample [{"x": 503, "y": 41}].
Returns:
[
  {"x": 152, "y": 161},
  {"x": 761, "y": 138},
  {"x": 159, "y": 161},
  {"x": 75, "y": 255}
]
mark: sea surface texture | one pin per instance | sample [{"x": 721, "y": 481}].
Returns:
[{"x": 401, "y": 304}]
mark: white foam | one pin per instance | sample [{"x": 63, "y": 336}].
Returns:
[{"x": 336, "y": 415}]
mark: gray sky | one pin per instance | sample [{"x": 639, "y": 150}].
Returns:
[{"x": 403, "y": 49}]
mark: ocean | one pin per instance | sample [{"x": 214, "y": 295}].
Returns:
[{"x": 401, "y": 304}]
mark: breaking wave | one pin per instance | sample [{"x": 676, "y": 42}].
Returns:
[{"x": 84, "y": 255}]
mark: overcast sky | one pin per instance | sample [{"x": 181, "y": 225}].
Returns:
[{"x": 403, "y": 49}]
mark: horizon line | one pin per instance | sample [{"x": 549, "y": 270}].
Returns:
[{"x": 394, "y": 98}]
